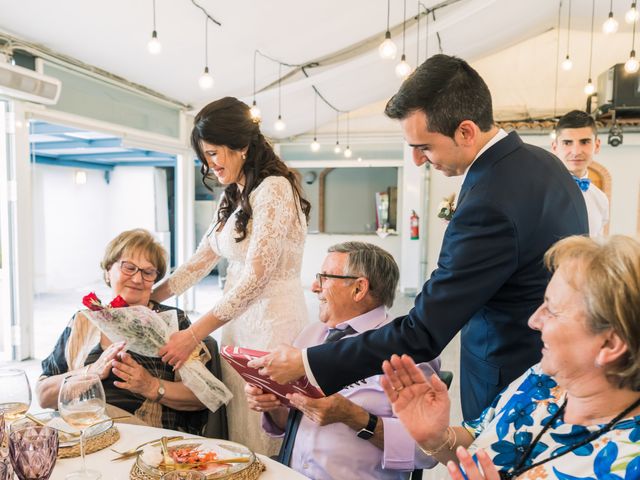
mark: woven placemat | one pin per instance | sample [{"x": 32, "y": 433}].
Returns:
[
  {"x": 250, "y": 473},
  {"x": 92, "y": 444}
]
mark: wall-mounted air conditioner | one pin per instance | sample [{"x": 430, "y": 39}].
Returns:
[{"x": 24, "y": 84}]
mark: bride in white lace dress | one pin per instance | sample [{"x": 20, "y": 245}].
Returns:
[{"x": 260, "y": 227}]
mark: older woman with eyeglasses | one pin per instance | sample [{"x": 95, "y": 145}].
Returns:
[
  {"x": 143, "y": 386},
  {"x": 576, "y": 414}
]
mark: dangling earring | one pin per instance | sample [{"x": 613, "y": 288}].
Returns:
[{"x": 244, "y": 156}]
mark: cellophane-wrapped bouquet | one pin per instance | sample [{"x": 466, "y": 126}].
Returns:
[{"x": 145, "y": 331}]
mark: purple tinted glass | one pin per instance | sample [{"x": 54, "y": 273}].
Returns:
[{"x": 33, "y": 452}]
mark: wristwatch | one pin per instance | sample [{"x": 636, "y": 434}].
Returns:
[
  {"x": 367, "y": 432},
  {"x": 161, "y": 391}
]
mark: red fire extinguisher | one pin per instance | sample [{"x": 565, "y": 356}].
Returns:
[{"x": 414, "y": 222}]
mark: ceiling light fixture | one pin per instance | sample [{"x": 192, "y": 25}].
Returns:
[
  {"x": 279, "y": 124},
  {"x": 315, "y": 146},
  {"x": 610, "y": 25},
  {"x": 589, "y": 89},
  {"x": 632, "y": 14},
  {"x": 632, "y": 65},
  {"x": 387, "y": 48},
  {"x": 154, "y": 46},
  {"x": 206, "y": 80},
  {"x": 403, "y": 69},
  {"x": 567, "y": 64},
  {"x": 337, "y": 148},
  {"x": 552, "y": 134},
  {"x": 347, "y": 151},
  {"x": 255, "y": 111},
  {"x": 418, "y": 36}
]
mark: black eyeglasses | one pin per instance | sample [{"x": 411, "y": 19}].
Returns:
[
  {"x": 320, "y": 276},
  {"x": 130, "y": 269}
]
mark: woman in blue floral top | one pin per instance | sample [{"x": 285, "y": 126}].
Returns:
[{"x": 576, "y": 414}]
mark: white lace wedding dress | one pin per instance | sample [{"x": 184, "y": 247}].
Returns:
[{"x": 263, "y": 302}]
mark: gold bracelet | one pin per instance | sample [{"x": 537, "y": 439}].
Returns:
[
  {"x": 194, "y": 336},
  {"x": 449, "y": 442}
]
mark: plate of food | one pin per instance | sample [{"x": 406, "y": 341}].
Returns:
[
  {"x": 217, "y": 459},
  {"x": 67, "y": 435}
]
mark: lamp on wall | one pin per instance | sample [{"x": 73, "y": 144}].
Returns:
[
  {"x": 387, "y": 48},
  {"x": 610, "y": 25},
  {"x": 403, "y": 69},
  {"x": 589, "y": 88},
  {"x": 255, "y": 111},
  {"x": 279, "y": 124},
  {"x": 80, "y": 177},
  {"x": 315, "y": 146},
  {"x": 206, "y": 80},
  {"x": 154, "y": 46}
]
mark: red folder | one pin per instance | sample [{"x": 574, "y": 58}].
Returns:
[{"x": 238, "y": 359}]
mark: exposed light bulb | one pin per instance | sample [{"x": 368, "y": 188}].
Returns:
[
  {"x": 632, "y": 65},
  {"x": 567, "y": 64},
  {"x": 315, "y": 146},
  {"x": 337, "y": 148},
  {"x": 632, "y": 14},
  {"x": 348, "y": 152},
  {"x": 154, "y": 46},
  {"x": 279, "y": 125},
  {"x": 360, "y": 159},
  {"x": 206, "y": 80},
  {"x": 255, "y": 112},
  {"x": 610, "y": 25},
  {"x": 387, "y": 49},
  {"x": 403, "y": 69},
  {"x": 589, "y": 88},
  {"x": 553, "y": 135}
]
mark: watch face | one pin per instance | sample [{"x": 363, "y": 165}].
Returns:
[
  {"x": 161, "y": 391},
  {"x": 365, "y": 434}
]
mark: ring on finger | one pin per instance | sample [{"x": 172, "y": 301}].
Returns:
[{"x": 398, "y": 389}]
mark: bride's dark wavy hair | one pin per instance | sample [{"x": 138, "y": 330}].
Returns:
[{"x": 228, "y": 122}]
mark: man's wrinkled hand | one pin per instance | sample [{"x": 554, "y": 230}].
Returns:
[
  {"x": 282, "y": 365},
  {"x": 323, "y": 411}
]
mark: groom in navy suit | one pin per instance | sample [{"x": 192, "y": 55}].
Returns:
[{"x": 516, "y": 200}]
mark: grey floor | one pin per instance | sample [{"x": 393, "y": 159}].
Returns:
[{"x": 53, "y": 311}]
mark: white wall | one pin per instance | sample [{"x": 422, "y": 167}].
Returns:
[{"x": 73, "y": 223}]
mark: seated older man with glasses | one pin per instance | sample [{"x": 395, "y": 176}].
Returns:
[
  {"x": 353, "y": 433},
  {"x": 143, "y": 386}
]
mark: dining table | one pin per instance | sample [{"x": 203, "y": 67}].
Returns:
[{"x": 132, "y": 435}]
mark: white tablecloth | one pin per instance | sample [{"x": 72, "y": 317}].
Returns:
[{"x": 132, "y": 435}]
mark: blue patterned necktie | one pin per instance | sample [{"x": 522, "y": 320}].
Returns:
[{"x": 583, "y": 183}]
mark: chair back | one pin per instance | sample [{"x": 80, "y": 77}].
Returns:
[{"x": 217, "y": 422}]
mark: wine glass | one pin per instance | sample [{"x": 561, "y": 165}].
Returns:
[
  {"x": 81, "y": 403},
  {"x": 33, "y": 451},
  {"x": 15, "y": 394}
]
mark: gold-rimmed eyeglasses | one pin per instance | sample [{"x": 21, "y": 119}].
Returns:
[
  {"x": 130, "y": 269},
  {"x": 320, "y": 276}
]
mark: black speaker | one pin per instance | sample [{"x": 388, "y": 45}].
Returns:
[{"x": 619, "y": 91}]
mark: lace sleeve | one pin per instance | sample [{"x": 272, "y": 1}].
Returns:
[
  {"x": 197, "y": 267},
  {"x": 275, "y": 210}
]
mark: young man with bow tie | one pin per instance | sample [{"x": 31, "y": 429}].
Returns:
[{"x": 575, "y": 144}]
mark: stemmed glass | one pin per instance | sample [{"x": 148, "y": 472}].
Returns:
[
  {"x": 33, "y": 451},
  {"x": 81, "y": 403},
  {"x": 15, "y": 394}
]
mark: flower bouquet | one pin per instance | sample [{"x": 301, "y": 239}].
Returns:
[
  {"x": 145, "y": 331},
  {"x": 447, "y": 207}
]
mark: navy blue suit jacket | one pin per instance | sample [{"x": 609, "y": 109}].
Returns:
[{"x": 516, "y": 201}]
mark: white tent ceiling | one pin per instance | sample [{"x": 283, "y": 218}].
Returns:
[{"x": 512, "y": 42}]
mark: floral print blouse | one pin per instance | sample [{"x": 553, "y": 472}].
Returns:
[{"x": 514, "y": 419}]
